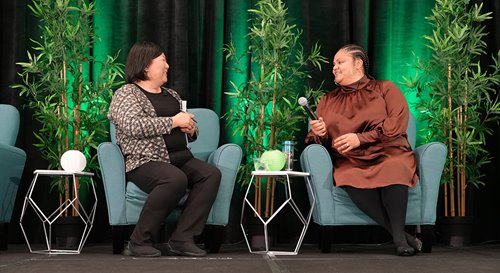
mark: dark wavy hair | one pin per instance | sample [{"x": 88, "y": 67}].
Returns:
[
  {"x": 357, "y": 52},
  {"x": 139, "y": 57}
]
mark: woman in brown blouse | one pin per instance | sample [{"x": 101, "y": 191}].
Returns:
[{"x": 363, "y": 121}]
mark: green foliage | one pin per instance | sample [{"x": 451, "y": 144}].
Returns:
[
  {"x": 69, "y": 106},
  {"x": 457, "y": 97},
  {"x": 266, "y": 111}
]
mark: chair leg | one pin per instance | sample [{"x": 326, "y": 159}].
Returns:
[
  {"x": 4, "y": 227},
  {"x": 428, "y": 238},
  {"x": 326, "y": 238},
  {"x": 214, "y": 236},
  {"x": 118, "y": 234}
]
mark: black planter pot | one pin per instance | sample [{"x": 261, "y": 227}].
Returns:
[
  {"x": 68, "y": 232},
  {"x": 456, "y": 231},
  {"x": 255, "y": 230}
]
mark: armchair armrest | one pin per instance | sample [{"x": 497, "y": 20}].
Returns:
[
  {"x": 430, "y": 158},
  {"x": 113, "y": 175},
  {"x": 8, "y": 152},
  {"x": 227, "y": 158},
  {"x": 316, "y": 160}
]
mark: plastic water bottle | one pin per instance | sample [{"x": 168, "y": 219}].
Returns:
[{"x": 287, "y": 149}]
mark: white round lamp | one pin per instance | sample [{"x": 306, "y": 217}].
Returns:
[{"x": 73, "y": 161}]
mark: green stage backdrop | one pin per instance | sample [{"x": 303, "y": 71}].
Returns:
[{"x": 193, "y": 33}]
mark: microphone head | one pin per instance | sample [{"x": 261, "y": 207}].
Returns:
[{"x": 302, "y": 101}]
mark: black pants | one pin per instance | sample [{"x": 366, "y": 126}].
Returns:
[
  {"x": 386, "y": 206},
  {"x": 166, "y": 185}
]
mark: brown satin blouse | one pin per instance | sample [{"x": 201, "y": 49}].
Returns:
[{"x": 378, "y": 113}]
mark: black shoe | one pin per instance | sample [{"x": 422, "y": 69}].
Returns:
[
  {"x": 185, "y": 249},
  {"x": 163, "y": 248},
  {"x": 141, "y": 251},
  {"x": 405, "y": 251},
  {"x": 414, "y": 242}
]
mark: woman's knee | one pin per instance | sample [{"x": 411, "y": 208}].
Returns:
[
  {"x": 215, "y": 175},
  {"x": 176, "y": 183}
]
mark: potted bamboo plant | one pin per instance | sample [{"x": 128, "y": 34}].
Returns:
[
  {"x": 458, "y": 101},
  {"x": 68, "y": 101},
  {"x": 265, "y": 111}
]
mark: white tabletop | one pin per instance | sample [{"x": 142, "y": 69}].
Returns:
[
  {"x": 278, "y": 173},
  {"x": 61, "y": 172}
]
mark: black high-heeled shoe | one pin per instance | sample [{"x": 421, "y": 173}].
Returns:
[
  {"x": 414, "y": 242},
  {"x": 405, "y": 251}
]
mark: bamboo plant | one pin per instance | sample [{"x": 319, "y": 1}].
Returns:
[
  {"x": 70, "y": 107},
  {"x": 266, "y": 110},
  {"x": 457, "y": 96}
]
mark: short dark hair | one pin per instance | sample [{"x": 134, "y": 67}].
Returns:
[
  {"x": 358, "y": 52},
  {"x": 139, "y": 57}
]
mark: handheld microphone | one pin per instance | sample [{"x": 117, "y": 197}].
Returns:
[{"x": 310, "y": 113}]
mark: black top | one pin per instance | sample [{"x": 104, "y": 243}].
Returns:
[{"x": 166, "y": 105}]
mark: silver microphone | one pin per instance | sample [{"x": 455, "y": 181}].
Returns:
[{"x": 305, "y": 105}]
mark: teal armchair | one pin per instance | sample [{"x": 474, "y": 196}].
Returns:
[
  {"x": 12, "y": 160},
  {"x": 334, "y": 207},
  {"x": 125, "y": 200}
]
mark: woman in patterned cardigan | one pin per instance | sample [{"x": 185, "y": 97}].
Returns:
[{"x": 152, "y": 132}]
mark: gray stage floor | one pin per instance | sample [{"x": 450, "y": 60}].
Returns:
[{"x": 236, "y": 259}]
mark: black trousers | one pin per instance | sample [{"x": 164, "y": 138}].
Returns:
[
  {"x": 166, "y": 185},
  {"x": 386, "y": 206}
]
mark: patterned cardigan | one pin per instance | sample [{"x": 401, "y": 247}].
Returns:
[{"x": 139, "y": 131}]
